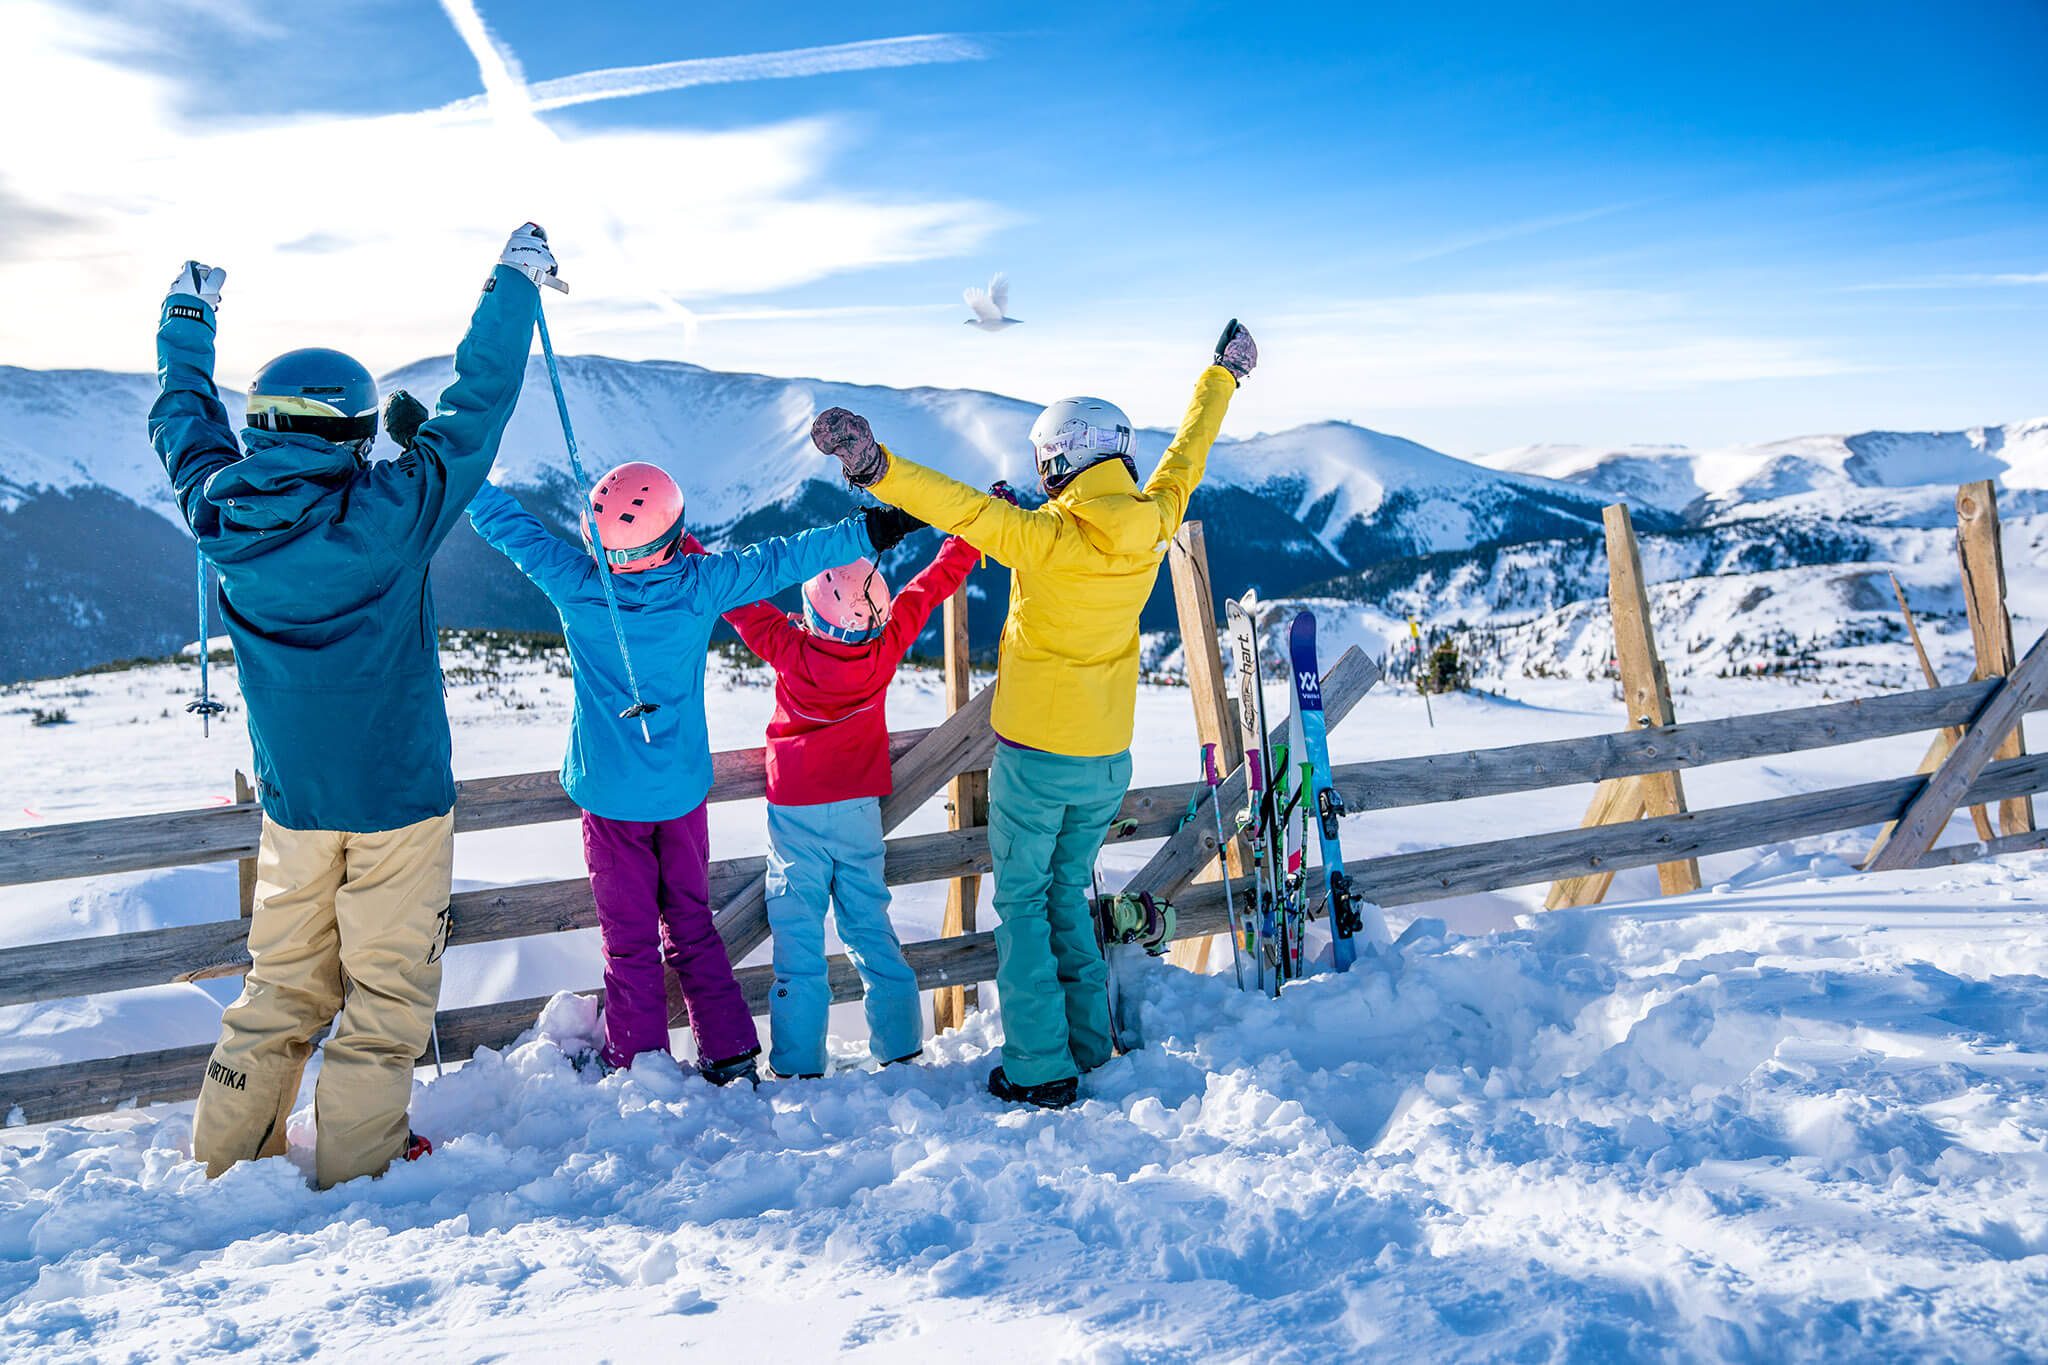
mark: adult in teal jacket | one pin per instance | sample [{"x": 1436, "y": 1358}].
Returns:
[{"x": 324, "y": 585}]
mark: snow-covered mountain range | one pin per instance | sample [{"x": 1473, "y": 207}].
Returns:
[{"x": 102, "y": 565}]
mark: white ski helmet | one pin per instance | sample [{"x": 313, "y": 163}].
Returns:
[{"x": 1075, "y": 433}]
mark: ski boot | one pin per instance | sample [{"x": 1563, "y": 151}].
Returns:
[
  {"x": 1050, "y": 1095},
  {"x": 724, "y": 1071},
  {"x": 907, "y": 1059}
]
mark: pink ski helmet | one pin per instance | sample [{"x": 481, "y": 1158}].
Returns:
[
  {"x": 638, "y": 511},
  {"x": 849, "y": 604}
]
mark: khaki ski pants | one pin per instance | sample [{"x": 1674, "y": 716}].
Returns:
[{"x": 348, "y": 929}]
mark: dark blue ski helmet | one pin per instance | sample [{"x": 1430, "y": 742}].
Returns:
[{"x": 317, "y": 392}]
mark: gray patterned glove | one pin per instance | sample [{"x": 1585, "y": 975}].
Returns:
[
  {"x": 1236, "y": 351},
  {"x": 845, "y": 436}
]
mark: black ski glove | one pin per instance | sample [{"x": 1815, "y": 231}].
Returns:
[
  {"x": 403, "y": 415},
  {"x": 887, "y": 527},
  {"x": 846, "y": 437},
  {"x": 1236, "y": 351}
]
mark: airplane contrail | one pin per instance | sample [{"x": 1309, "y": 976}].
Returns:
[{"x": 625, "y": 82}]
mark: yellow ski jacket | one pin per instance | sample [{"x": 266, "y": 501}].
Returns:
[{"x": 1081, "y": 568}]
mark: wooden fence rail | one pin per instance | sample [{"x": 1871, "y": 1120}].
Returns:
[
  {"x": 74, "y": 1088},
  {"x": 211, "y": 834}
]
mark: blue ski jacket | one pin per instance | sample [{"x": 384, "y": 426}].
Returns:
[
  {"x": 668, "y": 614},
  {"x": 323, "y": 566}
]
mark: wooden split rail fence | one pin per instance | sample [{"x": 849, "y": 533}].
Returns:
[{"x": 926, "y": 761}]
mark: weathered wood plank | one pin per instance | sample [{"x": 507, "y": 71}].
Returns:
[
  {"x": 1931, "y": 807},
  {"x": 1980, "y": 817},
  {"x": 1194, "y": 603},
  {"x": 967, "y": 808},
  {"x": 50, "y": 1093},
  {"x": 1386, "y": 784},
  {"x": 1980, "y": 549},
  {"x": 1644, "y": 684},
  {"x": 1616, "y": 801},
  {"x": 1408, "y": 878},
  {"x": 178, "y": 838},
  {"x": 1994, "y": 847}
]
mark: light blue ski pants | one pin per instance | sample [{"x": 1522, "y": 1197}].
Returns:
[
  {"x": 1048, "y": 815},
  {"x": 832, "y": 853}
]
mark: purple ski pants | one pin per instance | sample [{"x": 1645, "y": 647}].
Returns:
[{"x": 652, "y": 885}]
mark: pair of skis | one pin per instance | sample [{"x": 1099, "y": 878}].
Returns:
[{"x": 1286, "y": 780}]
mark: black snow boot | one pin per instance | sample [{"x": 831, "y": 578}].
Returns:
[
  {"x": 1051, "y": 1095},
  {"x": 724, "y": 1071}
]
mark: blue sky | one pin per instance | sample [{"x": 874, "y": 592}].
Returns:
[{"x": 1477, "y": 226}]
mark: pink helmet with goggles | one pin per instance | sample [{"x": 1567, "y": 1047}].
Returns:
[
  {"x": 849, "y": 604},
  {"x": 638, "y": 514}
]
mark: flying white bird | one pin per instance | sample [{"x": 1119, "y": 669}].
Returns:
[{"x": 989, "y": 307}]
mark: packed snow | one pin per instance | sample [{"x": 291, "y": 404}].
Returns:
[{"x": 1798, "y": 1114}]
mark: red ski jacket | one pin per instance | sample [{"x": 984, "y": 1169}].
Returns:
[{"x": 829, "y": 737}]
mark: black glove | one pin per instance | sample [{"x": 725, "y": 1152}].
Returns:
[
  {"x": 1235, "y": 350},
  {"x": 403, "y": 414},
  {"x": 887, "y": 527}
]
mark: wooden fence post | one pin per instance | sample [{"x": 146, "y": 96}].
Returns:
[
  {"x": 1194, "y": 602},
  {"x": 1983, "y": 561},
  {"x": 1647, "y": 693},
  {"x": 968, "y": 809},
  {"x": 246, "y": 867},
  {"x": 1945, "y": 740},
  {"x": 1924, "y": 819}
]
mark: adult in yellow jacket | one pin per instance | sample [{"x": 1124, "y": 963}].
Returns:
[{"x": 1082, "y": 566}]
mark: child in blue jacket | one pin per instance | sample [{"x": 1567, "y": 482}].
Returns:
[{"x": 644, "y": 827}]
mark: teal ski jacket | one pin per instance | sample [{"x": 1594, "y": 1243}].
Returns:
[
  {"x": 323, "y": 564},
  {"x": 668, "y": 614}
]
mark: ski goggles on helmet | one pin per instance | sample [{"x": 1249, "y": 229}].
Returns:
[
  {"x": 660, "y": 545},
  {"x": 306, "y": 415},
  {"x": 1078, "y": 444}
]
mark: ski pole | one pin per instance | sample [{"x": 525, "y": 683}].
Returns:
[
  {"x": 1421, "y": 683},
  {"x": 1214, "y": 781},
  {"x": 639, "y": 710},
  {"x": 206, "y": 708}
]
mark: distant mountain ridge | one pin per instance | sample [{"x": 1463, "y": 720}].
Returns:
[{"x": 1285, "y": 510}]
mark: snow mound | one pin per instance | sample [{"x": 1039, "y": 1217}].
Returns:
[{"x": 1795, "y": 1119}]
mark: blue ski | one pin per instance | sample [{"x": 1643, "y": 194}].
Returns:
[{"x": 1350, "y": 917}]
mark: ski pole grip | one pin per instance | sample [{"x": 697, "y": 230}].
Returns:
[
  {"x": 1256, "y": 770},
  {"x": 1209, "y": 774}
]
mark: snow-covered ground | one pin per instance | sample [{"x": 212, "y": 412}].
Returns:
[{"x": 1804, "y": 1112}]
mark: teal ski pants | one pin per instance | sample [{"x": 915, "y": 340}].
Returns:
[
  {"x": 832, "y": 852},
  {"x": 1048, "y": 816}
]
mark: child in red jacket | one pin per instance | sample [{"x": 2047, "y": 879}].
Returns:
[{"x": 828, "y": 769}]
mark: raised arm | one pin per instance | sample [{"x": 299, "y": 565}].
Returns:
[
  {"x": 557, "y": 568},
  {"x": 1007, "y": 533},
  {"x": 920, "y": 597},
  {"x": 1187, "y": 456},
  {"x": 188, "y": 424},
  {"x": 764, "y": 628},
  {"x": 766, "y": 568},
  {"x": 417, "y": 498}
]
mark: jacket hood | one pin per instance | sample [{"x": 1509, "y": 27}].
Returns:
[
  {"x": 280, "y": 476},
  {"x": 1111, "y": 513}
]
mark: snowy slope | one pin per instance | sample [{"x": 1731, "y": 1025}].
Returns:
[{"x": 1795, "y": 1120}]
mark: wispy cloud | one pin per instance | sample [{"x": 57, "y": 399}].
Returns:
[
  {"x": 1520, "y": 228},
  {"x": 624, "y": 82},
  {"x": 1990, "y": 280},
  {"x": 130, "y": 173}
]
